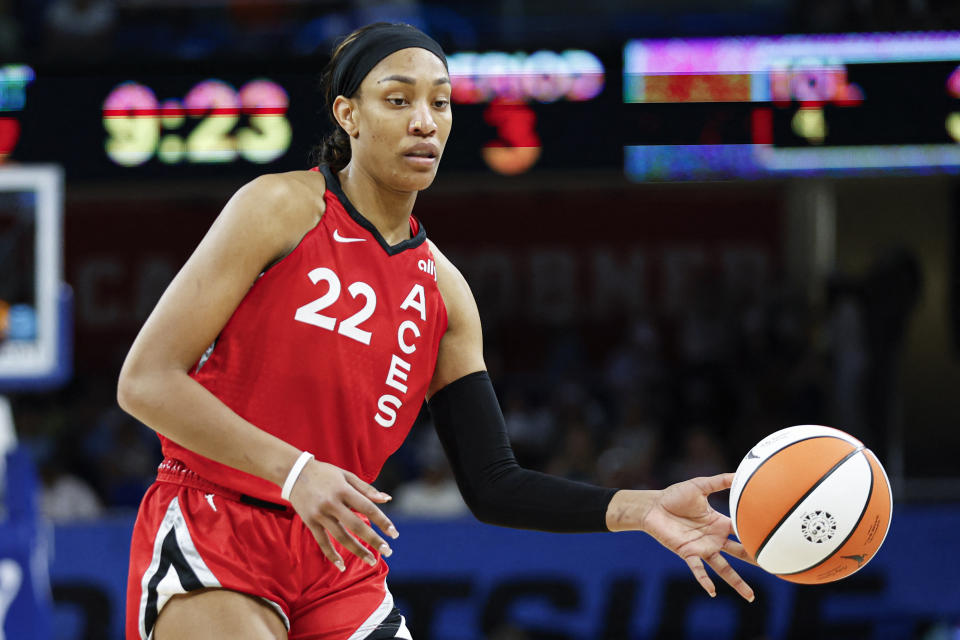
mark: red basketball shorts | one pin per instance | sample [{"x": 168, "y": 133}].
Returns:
[{"x": 194, "y": 535}]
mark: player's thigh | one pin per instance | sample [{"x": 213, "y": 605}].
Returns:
[{"x": 214, "y": 614}]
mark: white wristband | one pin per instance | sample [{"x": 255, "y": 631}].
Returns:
[{"x": 295, "y": 470}]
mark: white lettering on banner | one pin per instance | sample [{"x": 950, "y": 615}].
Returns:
[
  {"x": 388, "y": 405},
  {"x": 554, "y": 285},
  {"x": 745, "y": 270},
  {"x": 407, "y": 325},
  {"x": 94, "y": 278},
  {"x": 416, "y": 299},
  {"x": 492, "y": 275},
  {"x": 554, "y": 298},
  {"x": 399, "y": 368},
  {"x": 681, "y": 268},
  {"x": 111, "y": 294},
  {"x": 617, "y": 284}
]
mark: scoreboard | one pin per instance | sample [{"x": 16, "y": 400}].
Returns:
[
  {"x": 139, "y": 127},
  {"x": 794, "y": 105},
  {"x": 510, "y": 112},
  {"x": 656, "y": 110}
]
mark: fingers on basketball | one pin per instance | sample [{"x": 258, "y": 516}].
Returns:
[
  {"x": 735, "y": 549},
  {"x": 712, "y": 484}
]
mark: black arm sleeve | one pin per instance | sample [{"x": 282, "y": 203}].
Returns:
[{"x": 498, "y": 491}]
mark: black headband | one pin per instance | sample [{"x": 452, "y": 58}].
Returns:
[{"x": 371, "y": 47}]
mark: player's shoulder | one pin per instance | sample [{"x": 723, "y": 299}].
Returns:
[
  {"x": 277, "y": 210},
  {"x": 280, "y": 205},
  {"x": 453, "y": 286},
  {"x": 290, "y": 193},
  {"x": 444, "y": 266}
]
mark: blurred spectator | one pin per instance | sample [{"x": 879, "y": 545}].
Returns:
[
  {"x": 531, "y": 430},
  {"x": 79, "y": 27},
  {"x": 891, "y": 291},
  {"x": 630, "y": 461},
  {"x": 672, "y": 399},
  {"x": 319, "y": 34},
  {"x": 847, "y": 346},
  {"x": 407, "y": 11},
  {"x": 65, "y": 497},
  {"x": 636, "y": 362},
  {"x": 129, "y": 453},
  {"x": 577, "y": 457},
  {"x": 198, "y": 35},
  {"x": 254, "y": 28},
  {"x": 704, "y": 324},
  {"x": 702, "y": 455},
  {"x": 572, "y": 402},
  {"x": 260, "y": 27},
  {"x": 434, "y": 494}
]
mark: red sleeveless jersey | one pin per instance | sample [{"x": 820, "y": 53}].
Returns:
[{"x": 331, "y": 350}]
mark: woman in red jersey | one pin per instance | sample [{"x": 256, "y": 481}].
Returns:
[{"x": 289, "y": 358}]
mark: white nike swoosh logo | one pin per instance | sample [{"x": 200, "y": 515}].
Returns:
[{"x": 340, "y": 238}]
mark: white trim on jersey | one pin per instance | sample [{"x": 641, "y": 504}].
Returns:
[
  {"x": 276, "y": 607},
  {"x": 403, "y": 632},
  {"x": 378, "y": 616},
  {"x": 170, "y": 584}
]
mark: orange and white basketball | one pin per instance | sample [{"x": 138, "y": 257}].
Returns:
[{"x": 811, "y": 504}]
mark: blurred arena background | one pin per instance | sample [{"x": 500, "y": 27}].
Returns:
[{"x": 684, "y": 231}]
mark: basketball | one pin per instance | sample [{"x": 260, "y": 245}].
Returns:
[{"x": 811, "y": 504}]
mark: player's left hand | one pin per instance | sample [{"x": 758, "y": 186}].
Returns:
[{"x": 681, "y": 519}]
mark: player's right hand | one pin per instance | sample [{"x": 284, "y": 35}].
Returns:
[
  {"x": 681, "y": 519},
  {"x": 328, "y": 499}
]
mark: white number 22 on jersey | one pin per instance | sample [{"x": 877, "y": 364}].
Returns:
[{"x": 350, "y": 327}]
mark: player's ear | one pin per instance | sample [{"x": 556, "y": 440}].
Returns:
[{"x": 345, "y": 113}]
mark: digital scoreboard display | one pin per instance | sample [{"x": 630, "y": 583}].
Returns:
[
  {"x": 515, "y": 89},
  {"x": 14, "y": 79},
  {"x": 140, "y": 127},
  {"x": 153, "y": 124},
  {"x": 511, "y": 111},
  {"x": 793, "y": 105},
  {"x": 658, "y": 110}
]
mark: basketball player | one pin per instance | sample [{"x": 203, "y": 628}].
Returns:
[{"x": 289, "y": 358}]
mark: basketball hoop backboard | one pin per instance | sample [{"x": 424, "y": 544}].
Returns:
[{"x": 35, "y": 322}]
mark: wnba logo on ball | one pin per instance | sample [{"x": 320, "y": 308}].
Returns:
[{"x": 818, "y": 526}]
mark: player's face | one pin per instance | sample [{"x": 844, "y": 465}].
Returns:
[{"x": 403, "y": 119}]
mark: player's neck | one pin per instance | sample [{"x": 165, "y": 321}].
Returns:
[{"x": 388, "y": 210}]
